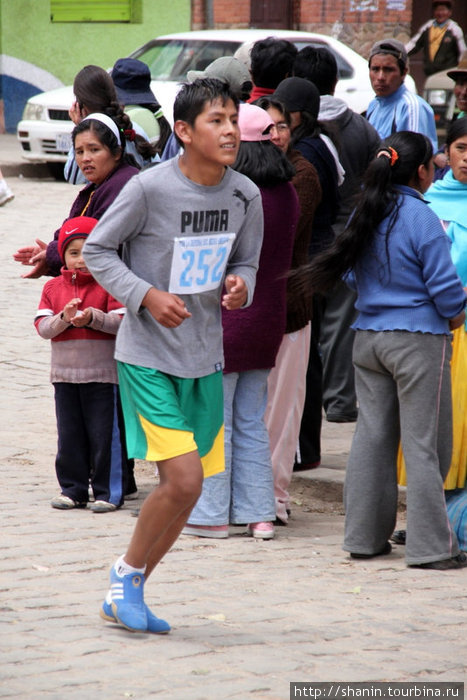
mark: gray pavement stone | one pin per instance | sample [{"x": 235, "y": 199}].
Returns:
[{"x": 248, "y": 617}]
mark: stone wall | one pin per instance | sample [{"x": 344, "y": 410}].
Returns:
[{"x": 358, "y": 29}]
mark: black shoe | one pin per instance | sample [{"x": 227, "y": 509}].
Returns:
[
  {"x": 387, "y": 549},
  {"x": 341, "y": 418},
  {"x": 457, "y": 562},
  {"x": 398, "y": 536},
  {"x": 304, "y": 466},
  {"x": 131, "y": 488}
]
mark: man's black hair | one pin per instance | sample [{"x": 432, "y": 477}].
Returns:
[
  {"x": 272, "y": 61},
  {"x": 192, "y": 98},
  {"x": 319, "y": 65}
]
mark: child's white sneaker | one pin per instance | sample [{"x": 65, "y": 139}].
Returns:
[
  {"x": 63, "y": 502},
  {"x": 6, "y": 195}
]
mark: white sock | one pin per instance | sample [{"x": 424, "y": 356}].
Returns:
[{"x": 122, "y": 568}]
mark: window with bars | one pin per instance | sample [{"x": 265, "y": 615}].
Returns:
[{"x": 95, "y": 10}]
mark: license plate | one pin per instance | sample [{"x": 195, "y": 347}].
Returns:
[{"x": 63, "y": 142}]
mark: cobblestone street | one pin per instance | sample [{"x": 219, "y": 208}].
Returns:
[{"x": 248, "y": 616}]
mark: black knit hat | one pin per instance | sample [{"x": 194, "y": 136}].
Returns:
[{"x": 298, "y": 95}]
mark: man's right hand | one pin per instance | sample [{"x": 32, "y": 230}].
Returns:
[{"x": 168, "y": 309}]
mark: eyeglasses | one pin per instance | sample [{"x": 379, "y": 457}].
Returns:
[{"x": 280, "y": 127}]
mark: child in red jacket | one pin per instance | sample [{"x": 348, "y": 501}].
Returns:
[{"x": 81, "y": 319}]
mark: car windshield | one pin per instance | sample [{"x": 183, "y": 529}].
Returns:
[{"x": 171, "y": 59}]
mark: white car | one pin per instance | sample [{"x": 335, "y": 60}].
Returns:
[{"x": 44, "y": 131}]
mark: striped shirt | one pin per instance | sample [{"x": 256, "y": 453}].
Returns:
[{"x": 402, "y": 111}]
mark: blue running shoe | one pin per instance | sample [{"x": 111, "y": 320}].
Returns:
[
  {"x": 128, "y": 600},
  {"x": 155, "y": 624}
]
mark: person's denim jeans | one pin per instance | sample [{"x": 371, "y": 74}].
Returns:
[{"x": 244, "y": 493}]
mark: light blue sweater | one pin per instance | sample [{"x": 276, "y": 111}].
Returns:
[
  {"x": 402, "y": 111},
  {"x": 419, "y": 289}
]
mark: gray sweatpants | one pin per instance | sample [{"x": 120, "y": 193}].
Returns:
[
  {"x": 403, "y": 386},
  {"x": 336, "y": 342}
]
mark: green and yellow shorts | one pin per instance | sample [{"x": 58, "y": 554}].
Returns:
[{"x": 167, "y": 416}]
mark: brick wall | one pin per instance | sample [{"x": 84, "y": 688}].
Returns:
[
  {"x": 334, "y": 17},
  {"x": 197, "y": 14},
  {"x": 228, "y": 13}
]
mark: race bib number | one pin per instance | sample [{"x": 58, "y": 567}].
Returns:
[{"x": 198, "y": 263}]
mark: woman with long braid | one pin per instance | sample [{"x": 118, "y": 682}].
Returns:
[{"x": 396, "y": 256}]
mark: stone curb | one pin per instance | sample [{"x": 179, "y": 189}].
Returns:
[
  {"x": 32, "y": 170},
  {"x": 328, "y": 484},
  {"x": 13, "y": 164}
]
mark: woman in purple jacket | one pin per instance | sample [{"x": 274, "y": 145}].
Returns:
[
  {"x": 244, "y": 493},
  {"x": 100, "y": 153}
]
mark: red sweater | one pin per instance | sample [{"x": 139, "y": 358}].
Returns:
[
  {"x": 79, "y": 354},
  {"x": 258, "y": 92}
]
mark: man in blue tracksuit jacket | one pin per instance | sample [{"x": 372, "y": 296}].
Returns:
[{"x": 395, "y": 108}]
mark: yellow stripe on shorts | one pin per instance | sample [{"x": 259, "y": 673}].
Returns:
[
  {"x": 166, "y": 443},
  {"x": 213, "y": 462}
]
